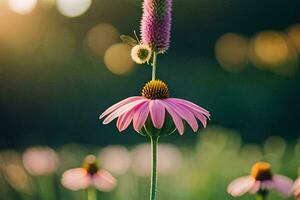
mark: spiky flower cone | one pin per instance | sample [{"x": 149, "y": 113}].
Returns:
[{"x": 156, "y": 24}]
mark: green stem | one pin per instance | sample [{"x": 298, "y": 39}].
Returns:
[
  {"x": 153, "y": 189},
  {"x": 92, "y": 194},
  {"x": 262, "y": 196},
  {"x": 154, "y": 65}
]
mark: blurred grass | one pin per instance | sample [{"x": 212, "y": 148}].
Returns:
[{"x": 216, "y": 157}]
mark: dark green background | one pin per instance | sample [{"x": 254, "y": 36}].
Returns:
[{"x": 57, "y": 104}]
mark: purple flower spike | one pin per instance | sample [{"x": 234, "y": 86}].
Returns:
[{"x": 156, "y": 24}]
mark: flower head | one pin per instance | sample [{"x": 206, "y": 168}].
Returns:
[
  {"x": 141, "y": 53},
  {"x": 156, "y": 24},
  {"x": 40, "y": 161},
  {"x": 87, "y": 176},
  {"x": 296, "y": 187},
  {"x": 261, "y": 180},
  {"x": 155, "y": 110}
]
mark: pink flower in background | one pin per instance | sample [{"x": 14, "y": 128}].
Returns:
[
  {"x": 261, "y": 180},
  {"x": 296, "y": 188},
  {"x": 154, "y": 103},
  {"x": 88, "y": 176},
  {"x": 40, "y": 161}
]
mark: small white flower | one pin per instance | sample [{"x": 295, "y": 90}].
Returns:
[{"x": 141, "y": 53}]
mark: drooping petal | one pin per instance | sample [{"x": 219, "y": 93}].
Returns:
[
  {"x": 157, "y": 112},
  {"x": 296, "y": 187},
  {"x": 123, "y": 109},
  {"x": 118, "y": 105},
  {"x": 266, "y": 185},
  {"x": 140, "y": 117},
  {"x": 184, "y": 114},
  {"x": 176, "y": 118},
  {"x": 192, "y": 106},
  {"x": 124, "y": 120},
  {"x": 240, "y": 186},
  {"x": 283, "y": 185},
  {"x": 76, "y": 179},
  {"x": 201, "y": 117},
  {"x": 255, "y": 188},
  {"x": 104, "y": 181}
]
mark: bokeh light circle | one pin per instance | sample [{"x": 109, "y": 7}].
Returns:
[
  {"x": 73, "y": 8},
  {"x": 116, "y": 159},
  {"x": 294, "y": 36},
  {"x": 232, "y": 51},
  {"x": 272, "y": 51},
  {"x": 100, "y": 37},
  {"x": 270, "y": 48},
  {"x": 117, "y": 58},
  {"x": 22, "y": 6}
]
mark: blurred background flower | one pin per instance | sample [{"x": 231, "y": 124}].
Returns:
[
  {"x": 116, "y": 159},
  {"x": 40, "y": 161},
  {"x": 168, "y": 160}
]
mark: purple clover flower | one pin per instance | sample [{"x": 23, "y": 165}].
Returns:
[{"x": 156, "y": 24}]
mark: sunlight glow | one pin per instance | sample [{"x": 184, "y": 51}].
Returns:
[
  {"x": 232, "y": 51},
  {"x": 100, "y": 37},
  {"x": 22, "y": 6},
  {"x": 117, "y": 58},
  {"x": 73, "y": 8}
]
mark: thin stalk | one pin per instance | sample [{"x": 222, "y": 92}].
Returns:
[
  {"x": 153, "y": 189},
  {"x": 92, "y": 194},
  {"x": 261, "y": 196},
  {"x": 154, "y": 65}
]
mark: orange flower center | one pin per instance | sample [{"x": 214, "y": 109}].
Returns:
[
  {"x": 155, "y": 89},
  {"x": 90, "y": 164},
  {"x": 261, "y": 171}
]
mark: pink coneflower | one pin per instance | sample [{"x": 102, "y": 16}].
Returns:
[
  {"x": 153, "y": 104},
  {"x": 156, "y": 24},
  {"x": 88, "y": 176},
  {"x": 40, "y": 161},
  {"x": 296, "y": 188},
  {"x": 260, "y": 182}
]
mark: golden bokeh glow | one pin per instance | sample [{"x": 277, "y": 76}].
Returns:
[
  {"x": 231, "y": 51},
  {"x": 117, "y": 58},
  {"x": 272, "y": 51},
  {"x": 73, "y": 8},
  {"x": 294, "y": 35},
  {"x": 22, "y": 6},
  {"x": 271, "y": 48},
  {"x": 100, "y": 37}
]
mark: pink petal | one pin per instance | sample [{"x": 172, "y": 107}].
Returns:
[
  {"x": 240, "y": 186},
  {"x": 157, "y": 112},
  {"x": 267, "y": 185},
  {"x": 123, "y": 109},
  {"x": 283, "y": 185},
  {"x": 192, "y": 106},
  {"x": 177, "y": 120},
  {"x": 196, "y": 112},
  {"x": 125, "y": 120},
  {"x": 140, "y": 117},
  {"x": 184, "y": 113},
  {"x": 76, "y": 179},
  {"x": 256, "y": 187},
  {"x": 296, "y": 187},
  {"x": 118, "y": 105},
  {"x": 104, "y": 181}
]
